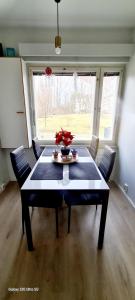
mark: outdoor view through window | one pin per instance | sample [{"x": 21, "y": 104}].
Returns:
[
  {"x": 108, "y": 104},
  {"x": 66, "y": 100}
]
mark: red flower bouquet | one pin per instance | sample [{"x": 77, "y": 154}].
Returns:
[{"x": 64, "y": 137}]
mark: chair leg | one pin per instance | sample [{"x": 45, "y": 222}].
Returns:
[
  {"x": 57, "y": 229},
  {"x": 69, "y": 216}
]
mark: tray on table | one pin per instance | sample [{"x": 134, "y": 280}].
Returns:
[{"x": 69, "y": 159}]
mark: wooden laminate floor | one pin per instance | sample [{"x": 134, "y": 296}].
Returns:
[{"x": 71, "y": 267}]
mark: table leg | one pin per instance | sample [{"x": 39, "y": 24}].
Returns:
[
  {"x": 103, "y": 220},
  {"x": 69, "y": 217},
  {"x": 28, "y": 227},
  {"x": 57, "y": 223}
]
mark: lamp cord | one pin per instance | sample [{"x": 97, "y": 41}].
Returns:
[{"x": 57, "y": 20}]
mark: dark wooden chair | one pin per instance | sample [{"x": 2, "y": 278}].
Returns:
[
  {"x": 107, "y": 162},
  {"x": 36, "y": 148},
  {"x": 78, "y": 198},
  {"x": 22, "y": 169},
  {"x": 94, "y": 146}
]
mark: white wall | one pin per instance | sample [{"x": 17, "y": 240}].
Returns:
[
  {"x": 4, "y": 174},
  {"x": 11, "y": 37},
  {"x": 125, "y": 171}
]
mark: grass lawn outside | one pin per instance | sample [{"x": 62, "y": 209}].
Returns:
[{"x": 79, "y": 124}]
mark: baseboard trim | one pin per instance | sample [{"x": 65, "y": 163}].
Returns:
[{"x": 127, "y": 197}]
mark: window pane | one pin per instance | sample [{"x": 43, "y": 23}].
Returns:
[
  {"x": 64, "y": 101},
  {"x": 108, "y": 104}
]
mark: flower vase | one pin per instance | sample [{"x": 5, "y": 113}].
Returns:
[{"x": 65, "y": 151}]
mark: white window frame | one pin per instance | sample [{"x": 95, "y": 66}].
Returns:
[
  {"x": 97, "y": 104},
  {"x": 115, "y": 128}
]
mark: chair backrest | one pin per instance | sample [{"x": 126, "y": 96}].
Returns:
[
  {"x": 20, "y": 165},
  {"x": 94, "y": 146},
  {"x": 36, "y": 148},
  {"x": 107, "y": 162}
]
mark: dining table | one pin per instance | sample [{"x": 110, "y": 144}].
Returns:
[{"x": 81, "y": 175}]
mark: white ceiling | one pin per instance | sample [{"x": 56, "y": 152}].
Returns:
[{"x": 73, "y": 13}]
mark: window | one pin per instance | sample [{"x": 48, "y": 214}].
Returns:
[
  {"x": 79, "y": 101},
  {"x": 110, "y": 85}
]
